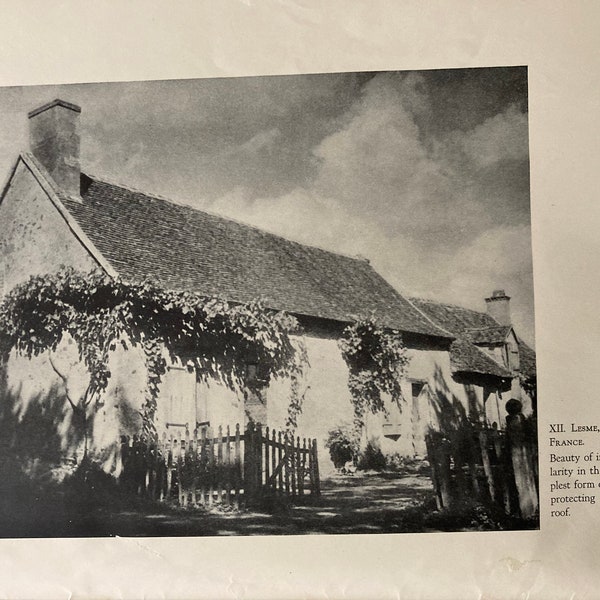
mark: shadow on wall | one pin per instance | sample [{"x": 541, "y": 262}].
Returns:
[
  {"x": 38, "y": 432},
  {"x": 450, "y": 413},
  {"x": 39, "y": 429},
  {"x": 114, "y": 418}
]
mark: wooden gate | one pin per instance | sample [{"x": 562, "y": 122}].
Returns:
[
  {"x": 276, "y": 464},
  {"x": 231, "y": 468}
]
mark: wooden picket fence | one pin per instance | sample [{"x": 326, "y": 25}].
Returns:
[
  {"x": 495, "y": 467},
  {"x": 222, "y": 466}
]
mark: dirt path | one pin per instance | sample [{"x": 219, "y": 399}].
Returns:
[
  {"x": 365, "y": 503},
  {"x": 348, "y": 504}
]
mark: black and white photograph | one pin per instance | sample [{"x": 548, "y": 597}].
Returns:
[{"x": 270, "y": 305}]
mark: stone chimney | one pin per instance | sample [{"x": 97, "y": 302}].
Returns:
[
  {"x": 54, "y": 141},
  {"x": 498, "y": 307}
]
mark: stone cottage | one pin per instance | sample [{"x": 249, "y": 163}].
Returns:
[{"x": 53, "y": 214}]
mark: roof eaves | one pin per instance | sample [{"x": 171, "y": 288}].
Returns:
[{"x": 9, "y": 178}]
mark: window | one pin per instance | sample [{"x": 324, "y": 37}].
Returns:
[
  {"x": 255, "y": 395},
  {"x": 513, "y": 356},
  {"x": 256, "y": 375},
  {"x": 417, "y": 388},
  {"x": 179, "y": 393}
]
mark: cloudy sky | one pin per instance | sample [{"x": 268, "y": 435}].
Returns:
[{"x": 424, "y": 173}]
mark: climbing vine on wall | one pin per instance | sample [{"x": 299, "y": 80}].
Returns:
[
  {"x": 377, "y": 361},
  {"x": 296, "y": 401},
  {"x": 210, "y": 335}
]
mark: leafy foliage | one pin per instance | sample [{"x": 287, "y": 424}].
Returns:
[
  {"x": 406, "y": 465},
  {"x": 216, "y": 338},
  {"x": 470, "y": 515},
  {"x": 343, "y": 444},
  {"x": 377, "y": 360},
  {"x": 296, "y": 400},
  {"x": 372, "y": 459},
  {"x": 529, "y": 385}
]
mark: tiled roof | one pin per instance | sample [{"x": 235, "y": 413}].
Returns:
[
  {"x": 183, "y": 248},
  {"x": 472, "y": 327},
  {"x": 488, "y": 335},
  {"x": 527, "y": 364},
  {"x": 467, "y": 358},
  {"x": 454, "y": 318}
]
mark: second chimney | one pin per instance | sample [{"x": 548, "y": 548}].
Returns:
[
  {"x": 498, "y": 307},
  {"x": 54, "y": 141}
]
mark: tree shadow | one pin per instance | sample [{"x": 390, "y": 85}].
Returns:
[
  {"x": 37, "y": 432},
  {"x": 450, "y": 412}
]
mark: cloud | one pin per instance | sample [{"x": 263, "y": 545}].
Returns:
[
  {"x": 378, "y": 162},
  {"x": 260, "y": 141},
  {"x": 373, "y": 164},
  {"x": 126, "y": 159},
  {"x": 304, "y": 217},
  {"x": 436, "y": 217},
  {"x": 202, "y": 138},
  {"x": 500, "y": 258},
  {"x": 442, "y": 191},
  {"x": 502, "y": 137},
  {"x": 376, "y": 150}
]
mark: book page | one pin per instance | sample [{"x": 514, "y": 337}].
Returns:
[{"x": 536, "y": 87}]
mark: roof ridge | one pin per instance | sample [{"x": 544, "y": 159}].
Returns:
[
  {"x": 153, "y": 196},
  {"x": 449, "y": 304},
  {"x": 499, "y": 326},
  {"x": 430, "y": 319}
]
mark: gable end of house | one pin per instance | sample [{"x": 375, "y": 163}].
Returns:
[{"x": 37, "y": 230}]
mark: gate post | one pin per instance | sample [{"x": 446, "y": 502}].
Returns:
[
  {"x": 248, "y": 463},
  {"x": 252, "y": 462},
  {"x": 519, "y": 449},
  {"x": 315, "y": 469},
  {"x": 258, "y": 460}
]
